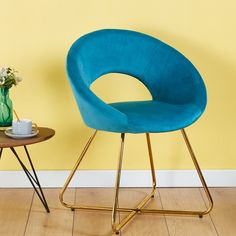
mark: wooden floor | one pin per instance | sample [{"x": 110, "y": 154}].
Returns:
[{"x": 21, "y": 213}]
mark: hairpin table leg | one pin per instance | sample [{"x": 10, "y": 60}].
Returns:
[
  {"x": 33, "y": 178},
  {"x": 1, "y": 150}
]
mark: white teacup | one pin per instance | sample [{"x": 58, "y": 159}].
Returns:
[{"x": 23, "y": 126}]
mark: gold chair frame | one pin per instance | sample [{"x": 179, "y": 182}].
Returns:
[{"x": 116, "y": 227}]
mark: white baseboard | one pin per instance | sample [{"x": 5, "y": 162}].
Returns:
[{"x": 130, "y": 178}]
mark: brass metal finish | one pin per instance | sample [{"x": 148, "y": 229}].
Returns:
[
  {"x": 139, "y": 208},
  {"x": 74, "y": 170},
  {"x": 199, "y": 173},
  {"x": 151, "y": 162},
  {"x": 117, "y": 186}
]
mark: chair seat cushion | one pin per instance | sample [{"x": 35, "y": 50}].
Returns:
[{"x": 156, "y": 116}]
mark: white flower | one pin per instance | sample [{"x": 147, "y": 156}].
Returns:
[
  {"x": 8, "y": 77},
  {"x": 2, "y": 80},
  {"x": 3, "y": 72}
]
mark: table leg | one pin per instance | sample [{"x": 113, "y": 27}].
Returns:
[
  {"x": 1, "y": 150},
  {"x": 33, "y": 178}
]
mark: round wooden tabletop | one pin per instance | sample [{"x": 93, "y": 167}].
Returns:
[{"x": 44, "y": 134}]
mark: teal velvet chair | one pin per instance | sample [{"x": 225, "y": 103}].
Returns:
[{"x": 178, "y": 99}]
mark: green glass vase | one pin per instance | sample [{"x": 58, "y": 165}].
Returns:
[{"x": 5, "y": 108}]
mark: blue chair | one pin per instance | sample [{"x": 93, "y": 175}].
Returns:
[{"x": 178, "y": 99}]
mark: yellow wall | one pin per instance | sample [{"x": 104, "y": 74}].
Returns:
[{"x": 35, "y": 37}]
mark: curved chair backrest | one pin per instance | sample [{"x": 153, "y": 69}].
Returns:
[{"x": 166, "y": 73}]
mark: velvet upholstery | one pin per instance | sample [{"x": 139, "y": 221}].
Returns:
[{"x": 177, "y": 89}]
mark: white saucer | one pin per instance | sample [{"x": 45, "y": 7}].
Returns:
[{"x": 9, "y": 133}]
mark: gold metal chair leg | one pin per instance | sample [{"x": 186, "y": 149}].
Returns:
[
  {"x": 190, "y": 213},
  {"x": 61, "y": 195},
  {"x": 151, "y": 163},
  {"x": 207, "y": 192},
  {"x": 116, "y": 227},
  {"x": 72, "y": 173},
  {"x": 139, "y": 208},
  {"x": 117, "y": 186}
]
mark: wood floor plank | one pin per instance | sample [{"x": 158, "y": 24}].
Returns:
[
  {"x": 224, "y": 210},
  {"x": 142, "y": 224},
  {"x": 186, "y": 199},
  {"x": 58, "y": 222},
  {"x": 14, "y": 210},
  {"x": 93, "y": 223},
  {"x": 15, "y": 213}
]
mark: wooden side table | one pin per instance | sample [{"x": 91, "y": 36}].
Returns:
[{"x": 43, "y": 135}]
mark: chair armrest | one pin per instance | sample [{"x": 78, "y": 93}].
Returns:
[{"x": 96, "y": 112}]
